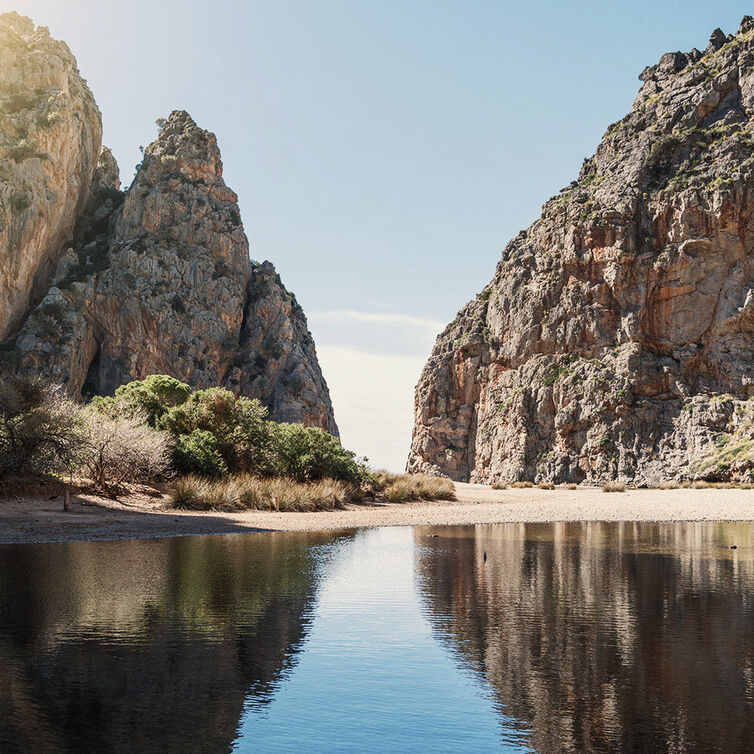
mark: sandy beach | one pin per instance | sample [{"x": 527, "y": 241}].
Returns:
[{"x": 41, "y": 519}]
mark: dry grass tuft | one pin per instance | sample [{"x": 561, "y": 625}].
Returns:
[
  {"x": 614, "y": 487},
  {"x": 500, "y": 486},
  {"x": 546, "y": 486},
  {"x": 401, "y": 488},
  {"x": 522, "y": 485},
  {"x": 669, "y": 485},
  {"x": 572, "y": 486},
  {"x": 700, "y": 484},
  {"x": 244, "y": 492}
]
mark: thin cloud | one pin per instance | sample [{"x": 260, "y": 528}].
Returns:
[{"x": 384, "y": 318}]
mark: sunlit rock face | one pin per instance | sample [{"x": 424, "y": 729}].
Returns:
[
  {"x": 615, "y": 340},
  {"x": 50, "y": 136},
  {"x": 156, "y": 279},
  {"x": 602, "y": 637},
  {"x": 99, "y": 655}
]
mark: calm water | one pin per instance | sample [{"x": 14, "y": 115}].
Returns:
[{"x": 566, "y": 637}]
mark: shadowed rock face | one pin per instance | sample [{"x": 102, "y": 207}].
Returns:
[
  {"x": 156, "y": 279},
  {"x": 50, "y": 135},
  {"x": 149, "y": 645},
  {"x": 613, "y": 324}
]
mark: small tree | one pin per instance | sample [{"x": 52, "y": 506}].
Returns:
[
  {"x": 36, "y": 428},
  {"x": 120, "y": 449},
  {"x": 214, "y": 421},
  {"x": 310, "y": 453}
]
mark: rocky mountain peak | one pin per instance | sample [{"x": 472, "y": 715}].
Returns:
[
  {"x": 614, "y": 323},
  {"x": 179, "y": 196},
  {"x": 106, "y": 174},
  {"x": 22, "y": 26},
  {"x": 182, "y": 148},
  {"x": 716, "y": 41},
  {"x": 112, "y": 286}
]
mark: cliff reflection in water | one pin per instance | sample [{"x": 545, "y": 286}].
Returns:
[
  {"x": 603, "y": 636},
  {"x": 148, "y": 645}
]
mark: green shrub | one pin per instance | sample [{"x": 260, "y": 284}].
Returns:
[
  {"x": 154, "y": 395},
  {"x": 309, "y": 453},
  {"x": 17, "y": 101},
  {"x": 239, "y": 426},
  {"x": 24, "y": 150},
  {"x": 20, "y": 201},
  {"x": 198, "y": 452}
]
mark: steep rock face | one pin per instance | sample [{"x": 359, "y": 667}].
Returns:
[
  {"x": 276, "y": 360},
  {"x": 158, "y": 280},
  {"x": 50, "y": 135},
  {"x": 616, "y": 339}
]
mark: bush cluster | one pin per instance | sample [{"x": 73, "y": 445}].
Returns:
[
  {"x": 43, "y": 432},
  {"x": 158, "y": 427},
  {"x": 223, "y": 449},
  {"x": 217, "y": 434}
]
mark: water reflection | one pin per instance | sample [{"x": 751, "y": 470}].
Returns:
[
  {"x": 603, "y": 637},
  {"x": 151, "y": 645},
  {"x": 566, "y": 637}
]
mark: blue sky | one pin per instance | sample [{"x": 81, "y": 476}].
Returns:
[{"x": 383, "y": 152}]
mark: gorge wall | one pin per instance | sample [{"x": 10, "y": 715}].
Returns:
[
  {"x": 50, "y": 137},
  {"x": 615, "y": 340},
  {"x": 107, "y": 286}
]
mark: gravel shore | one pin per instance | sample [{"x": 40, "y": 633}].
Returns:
[{"x": 144, "y": 516}]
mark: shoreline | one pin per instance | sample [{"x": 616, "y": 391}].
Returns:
[{"x": 40, "y": 519}]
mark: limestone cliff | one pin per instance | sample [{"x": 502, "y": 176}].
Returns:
[
  {"x": 157, "y": 279},
  {"x": 50, "y": 134},
  {"x": 616, "y": 339}
]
